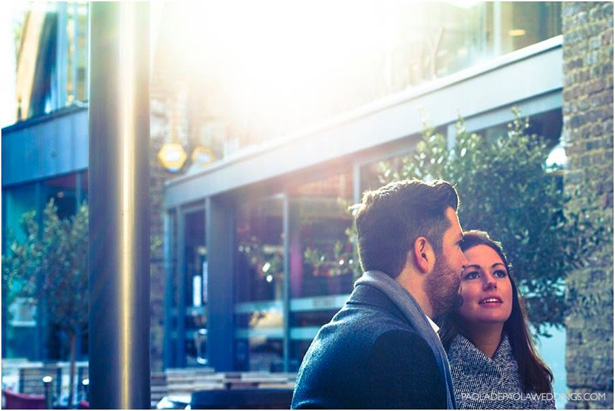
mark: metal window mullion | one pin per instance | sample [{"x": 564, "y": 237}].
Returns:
[
  {"x": 180, "y": 348},
  {"x": 168, "y": 288},
  {"x": 75, "y": 41},
  {"x": 78, "y": 191},
  {"x": 61, "y": 55},
  {"x": 356, "y": 183},
  {"x": 497, "y": 29},
  {"x": 286, "y": 284}
]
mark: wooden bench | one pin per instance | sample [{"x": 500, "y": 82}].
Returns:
[
  {"x": 31, "y": 378},
  {"x": 205, "y": 388},
  {"x": 182, "y": 382},
  {"x": 158, "y": 384}
]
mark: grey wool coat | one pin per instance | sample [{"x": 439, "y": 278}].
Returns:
[
  {"x": 490, "y": 383},
  {"x": 369, "y": 356}
]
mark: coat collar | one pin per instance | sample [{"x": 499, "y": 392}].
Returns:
[{"x": 366, "y": 295}]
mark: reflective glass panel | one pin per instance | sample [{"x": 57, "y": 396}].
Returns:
[
  {"x": 386, "y": 47},
  {"x": 77, "y": 55},
  {"x": 84, "y": 187},
  {"x": 63, "y": 191},
  {"x": 322, "y": 258},
  {"x": 259, "y": 285},
  {"x": 195, "y": 298},
  {"x": 18, "y": 318},
  {"x": 17, "y": 200}
]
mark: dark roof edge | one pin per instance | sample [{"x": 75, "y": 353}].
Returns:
[{"x": 64, "y": 111}]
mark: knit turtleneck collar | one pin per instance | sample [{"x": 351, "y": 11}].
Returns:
[{"x": 462, "y": 347}]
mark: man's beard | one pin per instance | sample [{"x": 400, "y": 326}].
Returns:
[{"x": 442, "y": 286}]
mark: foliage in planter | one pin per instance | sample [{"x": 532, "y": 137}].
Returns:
[
  {"x": 264, "y": 260},
  {"x": 57, "y": 255},
  {"x": 344, "y": 258},
  {"x": 506, "y": 189}
]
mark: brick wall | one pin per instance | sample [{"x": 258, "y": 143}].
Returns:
[
  {"x": 588, "y": 133},
  {"x": 162, "y": 95}
]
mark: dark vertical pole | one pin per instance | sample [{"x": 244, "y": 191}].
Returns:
[
  {"x": 78, "y": 191},
  {"x": 180, "y": 340},
  {"x": 286, "y": 283},
  {"x": 119, "y": 205},
  {"x": 220, "y": 241},
  {"x": 169, "y": 241}
]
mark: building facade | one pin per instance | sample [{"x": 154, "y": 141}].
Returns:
[{"x": 45, "y": 153}]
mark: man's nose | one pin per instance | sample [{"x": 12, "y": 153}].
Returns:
[{"x": 464, "y": 260}]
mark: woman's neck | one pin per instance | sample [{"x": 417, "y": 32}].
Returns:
[{"x": 486, "y": 337}]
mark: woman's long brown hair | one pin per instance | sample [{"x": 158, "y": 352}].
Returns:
[{"x": 533, "y": 372}]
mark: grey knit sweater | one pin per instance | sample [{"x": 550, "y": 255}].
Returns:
[{"x": 490, "y": 383}]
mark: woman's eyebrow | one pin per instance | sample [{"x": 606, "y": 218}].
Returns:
[
  {"x": 471, "y": 266},
  {"x": 496, "y": 264}
]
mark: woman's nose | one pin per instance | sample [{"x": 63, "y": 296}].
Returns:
[{"x": 489, "y": 283}]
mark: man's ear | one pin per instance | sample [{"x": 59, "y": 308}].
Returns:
[{"x": 423, "y": 254}]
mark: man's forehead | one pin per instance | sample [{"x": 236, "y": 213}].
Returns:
[{"x": 454, "y": 220}]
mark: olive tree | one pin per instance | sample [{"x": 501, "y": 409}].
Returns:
[
  {"x": 59, "y": 256},
  {"x": 507, "y": 188}
]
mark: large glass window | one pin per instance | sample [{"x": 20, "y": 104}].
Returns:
[
  {"x": 83, "y": 186},
  {"x": 67, "y": 192},
  {"x": 55, "y": 39},
  {"x": 385, "y": 48},
  {"x": 18, "y": 319},
  {"x": 77, "y": 39},
  {"x": 186, "y": 292},
  {"x": 520, "y": 24},
  {"x": 321, "y": 250},
  {"x": 17, "y": 201},
  {"x": 172, "y": 291},
  {"x": 260, "y": 285},
  {"x": 195, "y": 281},
  {"x": 322, "y": 259},
  {"x": 63, "y": 191}
]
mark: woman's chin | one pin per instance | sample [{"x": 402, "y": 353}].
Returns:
[
  {"x": 494, "y": 320},
  {"x": 485, "y": 320}
]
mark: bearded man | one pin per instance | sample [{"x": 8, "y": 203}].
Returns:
[{"x": 382, "y": 350}]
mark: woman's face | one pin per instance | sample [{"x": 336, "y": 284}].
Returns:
[{"x": 485, "y": 287}]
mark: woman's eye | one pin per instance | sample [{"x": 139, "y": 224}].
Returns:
[
  {"x": 471, "y": 275},
  {"x": 500, "y": 274}
]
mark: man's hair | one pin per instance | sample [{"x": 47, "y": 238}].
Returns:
[{"x": 390, "y": 219}]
